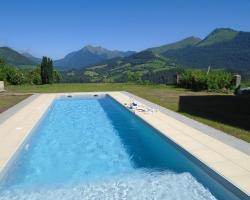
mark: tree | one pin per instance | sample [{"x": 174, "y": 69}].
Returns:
[
  {"x": 47, "y": 70},
  {"x": 134, "y": 76},
  {"x": 57, "y": 77},
  {"x": 2, "y": 71},
  {"x": 10, "y": 74},
  {"x": 34, "y": 76},
  {"x": 14, "y": 76},
  {"x": 216, "y": 80},
  {"x": 2, "y": 63}
]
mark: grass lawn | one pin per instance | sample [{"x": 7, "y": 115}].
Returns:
[
  {"x": 166, "y": 96},
  {"x": 8, "y": 100},
  {"x": 245, "y": 84}
]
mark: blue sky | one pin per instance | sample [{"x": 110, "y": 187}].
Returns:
[{"x": 57, "y": 27}]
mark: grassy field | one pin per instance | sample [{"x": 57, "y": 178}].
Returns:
[
  {"x": 245, "y": 84},
  {"x": 166, "y": 96},
  {"x": 8, "y": 100}
]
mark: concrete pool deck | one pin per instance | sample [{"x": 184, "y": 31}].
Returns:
[{"x": 225, "y": 159}]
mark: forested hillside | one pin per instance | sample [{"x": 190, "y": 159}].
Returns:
[
  {"x": 221, "y": 49},
  {"x": 12, "y": 57}
]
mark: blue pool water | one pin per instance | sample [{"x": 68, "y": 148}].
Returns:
[{"x": 93, "y": 148}]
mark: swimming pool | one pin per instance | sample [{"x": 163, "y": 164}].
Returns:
[{"x": 93, "y": 148}]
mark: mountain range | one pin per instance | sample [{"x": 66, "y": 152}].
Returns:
[
  {"x": 13, "y": 57},
  {"x": 32, "y": 58},
  {"x": 89, "y": 55},
  {"x": 222, "y": 48}
]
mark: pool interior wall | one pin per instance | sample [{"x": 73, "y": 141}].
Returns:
[{"x": 90, "y": 145}]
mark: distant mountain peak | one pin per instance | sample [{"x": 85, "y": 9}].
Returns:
[
  {"x": 89, "y": 55},
  {"x": 217, "y": 30},
  {"x": 90, "y": 47},
  {"x": 26, "y": 54},
  {"x": 95, "y": 49},
  {"x": 219, "y": 35},
  {"x": 32, "y": 58}
]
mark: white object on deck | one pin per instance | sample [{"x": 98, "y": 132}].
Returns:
[{"x": 137, "y": 106}]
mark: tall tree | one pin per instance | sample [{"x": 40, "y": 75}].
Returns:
[
  {"x": 50, "y": 71},
  {"x": 2, "y": 63},
  {"x": 47, "y": 70},
  {"x": 43, "y": 70}
]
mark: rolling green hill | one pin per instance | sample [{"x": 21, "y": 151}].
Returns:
[
  {"x": 119, "y": 69},
  {"x": 148, "y": 65},
  {"x": 187, "y": 42},
  {"x": 12, "y": 57}
]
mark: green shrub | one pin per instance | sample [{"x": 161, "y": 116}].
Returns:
[
  {"x": 215, "y": 80},
  {"x": 57, "y": 77},
  {"x": 34, "y": 76},
  {"x": 11, "y": 75},
  {"x": 14, "y": 76},
  {"x": 193, "y": 79},
  {"x": 218, "y": 80},
  {"x": 2, "y": 71},
  {"x": 2, "y": 75},
  {"x": 135, "y": 77}
]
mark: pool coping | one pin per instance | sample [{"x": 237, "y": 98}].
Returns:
[
  {"x": 220, "y": 156},
  {"x": 12, "y": 110}
]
